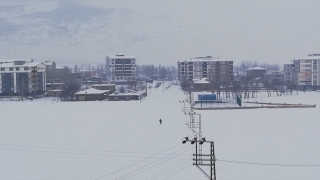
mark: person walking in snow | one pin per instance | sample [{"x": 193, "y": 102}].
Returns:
[{"x": 160, "y": 121}]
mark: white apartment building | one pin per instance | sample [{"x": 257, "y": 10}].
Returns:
[
  {"x": 306, "y": 71},
  {"x": 22, "y": 77},
  {"x": 214, "y": 69},
  {"x": 121, "y": 68}
]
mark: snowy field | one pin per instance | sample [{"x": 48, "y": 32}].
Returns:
[{"x": 49, "y": 140}]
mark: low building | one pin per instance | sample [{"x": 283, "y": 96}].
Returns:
[
  {"x": 202, "y": 85},
  {"x": 92, "y": 80},
  {"x": 92, "y": 94},
  {"x": 125, "y": 96},
  {"x": 255, "y": 72},
  {"x": 22, "y": 77},
  {"x": 275, "y": 78},
  {"x": 110, "y": 87},
  {"x": 56, "y": 93},
  {"x": 53, "y": 86}
]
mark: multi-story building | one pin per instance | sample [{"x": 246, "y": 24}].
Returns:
[
  {"x": 121, "y": 69},
  {"x": 22, "y": 77},
  {"x": 306, "y": 71},
  {"x": 275, "y": 78},
  {"x": 288, "y": 70},
  {"x": 255, "y": 72},
  {"x": 214, "y": 69}
]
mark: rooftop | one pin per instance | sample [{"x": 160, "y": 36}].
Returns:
[
  {"x": 256, "y": 68},
  {"x": 92, "y": 91},
  {"x": 121, "y": 56},
  {"x": 106, "y": 85},
  {"x": 201, "y": 81},
  {"x": 12, "y": 60},
  {"x": 27, "y": 64}
]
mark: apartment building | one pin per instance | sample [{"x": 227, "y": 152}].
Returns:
[
  {"x": 22, "y": 77},
  {"x": 275, "y": 78},
  {"x": 306, "y": 71},
  {"x": 288, "y": 70},
  {"x": 255, "y": 72},
  {"x": 214, "y": 69},
  {"x": 120, "y": 68}
]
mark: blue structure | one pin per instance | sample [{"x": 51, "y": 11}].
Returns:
[{"x": 207, "y": 97}]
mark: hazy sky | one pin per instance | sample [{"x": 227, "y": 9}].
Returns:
[{"x": 161, "y": 31}]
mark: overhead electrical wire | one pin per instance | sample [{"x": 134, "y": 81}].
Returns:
[
  {"x": 137, "y": 162},
  {"x": 62, "y": 152},
  {"x": 185, "y": 167},
  {"x": 267, "y": 164},
  {"x": 147, "y": 168},
  {"x": 170, "y": 168},
  {"x": 71, "y": 149}
]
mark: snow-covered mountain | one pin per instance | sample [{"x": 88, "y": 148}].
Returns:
[{"x": 76, "y": 32}]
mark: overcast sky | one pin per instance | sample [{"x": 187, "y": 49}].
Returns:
[{"x": 167, "y": 31}]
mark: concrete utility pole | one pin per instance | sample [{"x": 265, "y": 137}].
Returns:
[{"x": 162, "y": 86}]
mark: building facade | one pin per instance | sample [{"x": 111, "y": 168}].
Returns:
[
  {"x": 121, "y": 68},
  {"x": 288, "y": 70},
  {"x": 275, "y": 78},
  {"x": 255, "y": 72},
  {"x": 22, "y": 77},
  {"x": 306, "y": 71},
  {"x": 214, "y": 69}
]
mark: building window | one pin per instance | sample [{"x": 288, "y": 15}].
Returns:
[
  {"x": 2, "y": 69},
  {"x": 10, "y": 69},
  {"x": 17, "y": 69},
  {"x": 26, "y": 68}
]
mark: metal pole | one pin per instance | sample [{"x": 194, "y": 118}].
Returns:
[
  {"x": 196, "y": 153},
  {"x": 214, "y": 162},
  {"x": 211, "y": 162}
]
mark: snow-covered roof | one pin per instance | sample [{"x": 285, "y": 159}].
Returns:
[
  {"x": 205, "y": 60},
  {"x": 27, "y": 64},
  {"x": 106, "y": 85},
  {"x": 309, "y": 58},
  {"x": 202, "y": 81},
  {"x": 48, "y": 63},
  {"x": 126, "y": 94},
  {"x": 12, "y": 60},
  {"x": 59, "y": 67},
  {"x": 92, "y": 91},
  {"x": 255, "y": 68},
  {"x": 121, "y": 56}
]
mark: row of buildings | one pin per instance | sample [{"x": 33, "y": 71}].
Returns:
[
  {"x": 302, "y": 72},
  {"x": 25, "y": 77}
]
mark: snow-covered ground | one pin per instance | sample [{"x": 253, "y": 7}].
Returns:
[{"x": 124, "y": 140}]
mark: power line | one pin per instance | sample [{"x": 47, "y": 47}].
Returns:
[
  {"x": 267, "y": 164},
  {"x": 176, "y": 172},
  {"x": 61, "y": 152},
  {"x": 149, "y": 168},
  {"x": 167, "y": 170},
  {"x": 70, "y": 149},
  {"x": 150, "y": 163},
  {"x": 137, "y": 162}
]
